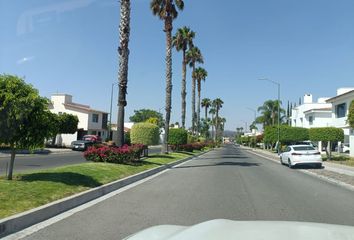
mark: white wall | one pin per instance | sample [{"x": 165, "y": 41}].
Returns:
[
  {"x": 341, "y": 122},
  {"x": 320, "y": 119},
  {"x": 298, "y": 114}
]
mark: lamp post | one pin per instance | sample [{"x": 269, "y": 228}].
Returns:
[
  {"x": 278, "y": 84},
  {"x": 110, "y": 111}
]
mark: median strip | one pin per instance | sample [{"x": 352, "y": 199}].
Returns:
[{"x": 89, "y": 180}]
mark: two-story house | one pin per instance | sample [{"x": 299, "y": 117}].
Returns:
[
  {"x": 91, "y": 121},
  {"x": 311, "y": 114},
  {"x": 339, "y": 114}
]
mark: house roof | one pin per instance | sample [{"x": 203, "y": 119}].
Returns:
[
  {"x": 339, "y": 96},
  {"x": 82, "y": 107},
  {"x": 319, "y": 110}
]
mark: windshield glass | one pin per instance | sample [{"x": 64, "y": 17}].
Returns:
[{"x": 303, "y": 148}]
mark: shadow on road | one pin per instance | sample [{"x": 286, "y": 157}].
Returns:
[
  {"x": 239, "y": 164},
  {"x": 68, "y": 178}
]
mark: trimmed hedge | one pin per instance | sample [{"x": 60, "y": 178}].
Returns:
[
  {"x": 145, "y": 133},
  {"x": 326, "y": 134},
  {"x": 177, "y": 136},
  {"x": 288, "y": 134}
]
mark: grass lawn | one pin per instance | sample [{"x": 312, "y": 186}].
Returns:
[
  {"x": 33, "y": 189},
  {"x": 340, "y": 159}
]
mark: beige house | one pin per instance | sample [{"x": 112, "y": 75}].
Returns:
[{"x": 91, "y": 121}]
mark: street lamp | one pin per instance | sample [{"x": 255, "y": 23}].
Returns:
[
  {"x": 110, "y": 111},
  {"x": 278, "y": 84}
]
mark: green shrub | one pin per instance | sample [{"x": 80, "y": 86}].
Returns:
[
  {"x": 288, "y": 134},
  {"x": 177, "y": 136},
  {"x": 350, "y": 119},
  {"x": 145, "y": 133},
  {"x": 326, "y": 134},
  {"x": 191, "y": 138}
]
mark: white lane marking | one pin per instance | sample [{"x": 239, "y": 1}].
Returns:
[{"x": 37, "y": 227}]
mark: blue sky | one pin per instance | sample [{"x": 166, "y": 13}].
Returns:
[{"x": 70, "y": 47}]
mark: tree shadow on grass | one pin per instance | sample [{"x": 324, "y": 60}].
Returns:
[
  {"x": 161, "y": 156},
  {"x": 68, "y": 178}
]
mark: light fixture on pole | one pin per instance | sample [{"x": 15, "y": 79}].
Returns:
[{"x": 278, "y": 84}]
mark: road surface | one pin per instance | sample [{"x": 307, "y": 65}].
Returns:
[
  {"x": 227, "y": 183},
  {"x": 34, "y": 162}
]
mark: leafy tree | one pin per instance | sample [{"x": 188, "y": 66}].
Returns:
[
  {"x": 25, "y": 121},
  {"x": 67, "y": 123},
  {"x": 153, "y": 120},
  {"x": 200, "y": 75},
  {"x": 288, "y": 134},
  {"x": 194, "y": 56},
  {"x": 350, "y": 119},
  {"x": 182, "y": 41},
  {"x": 327, "y": 135},
  {"x": 144, "y": 115},
  {"x": 166, "y": 10},
  {"x": 123, "y": 51}
]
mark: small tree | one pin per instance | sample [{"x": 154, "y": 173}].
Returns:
[
  {"x": 143, "y": 115},
  {"x": 68, "y": 123},
  {"x": 326, "y": 135},
  {"x": 25, "y": 121},
  {"x": 145, "y": 133},
  {"x": 177, "y": 136},
  {"x": 350, "y": 119}
]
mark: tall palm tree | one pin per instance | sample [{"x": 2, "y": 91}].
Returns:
[
  {"x": 199, "y": 75},
  {"x": 206, "y": 103},
  {"x": 212, "y": 111},
  {"x": 194, "y": 56},
  {"x": 166, "y": 10},
  {"x": 218, "y": 105},
  {"x": 183, "y": 40},
  {"x": 123, "y": 51}
]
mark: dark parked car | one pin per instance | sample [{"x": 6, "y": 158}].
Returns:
[{"x": 87, "y": 141}]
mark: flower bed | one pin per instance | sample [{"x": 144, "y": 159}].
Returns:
[{"x": 112, "y": 154}]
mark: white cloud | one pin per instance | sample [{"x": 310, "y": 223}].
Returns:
[{"x": 25, "y": 59}]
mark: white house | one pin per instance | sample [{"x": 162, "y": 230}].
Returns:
[
  {"x": 339, "y": 114},
  {"x": 312, "y": 114},
  {"x": 91, "y": 121}
]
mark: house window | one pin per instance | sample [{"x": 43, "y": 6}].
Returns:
[
  {"x": 340, "y": 110},
  {"x": 95, "y": 117},
  {"x": 311, "y": 120}
]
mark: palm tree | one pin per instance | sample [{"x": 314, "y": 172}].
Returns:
[
  {"x": 269, "y": 113},
  {"x": 181, "y": 41},
  {"x": 218, "y": 105},
  {"x": 212, "y": 111},
  {"x": 123, "y": 50},
  {"x": 166, "y": 10},
  {"x": 206, "y": 103},
  {"x": 199, "y": 74},
  {"x": 194, "y": 56}
]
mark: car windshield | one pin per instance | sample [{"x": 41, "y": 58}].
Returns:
[
  {"x": 119, "y": 115},
  {"x": 303, "y": 148}
]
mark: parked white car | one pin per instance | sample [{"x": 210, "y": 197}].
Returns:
[{"x": 301, "y": 155}]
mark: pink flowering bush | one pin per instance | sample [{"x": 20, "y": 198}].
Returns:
[{"x": 111, "y": 154}]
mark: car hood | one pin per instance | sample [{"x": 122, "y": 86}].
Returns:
[{"x": 222, "y": 229}]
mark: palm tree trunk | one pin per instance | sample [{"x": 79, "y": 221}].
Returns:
[
  {"x": 12, "y": 161},
  {"x": 216, "y": 125},
  {"x": 193, "y": 100},
  {"x": 198, "y": 109},
  {"x": 183, "y": 91},
  {"x": 168, "y": 30},
  {"x": 206, "y": 113},
  {"x": 123, "y": 51},
  {"x": 212, "y": 126}
]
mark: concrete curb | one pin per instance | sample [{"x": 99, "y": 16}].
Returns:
[
  {"x": 326, "y": 179},
  {"x": 28, "y": 218}
]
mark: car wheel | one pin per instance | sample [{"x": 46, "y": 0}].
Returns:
[{"x": 289, "y": 164}]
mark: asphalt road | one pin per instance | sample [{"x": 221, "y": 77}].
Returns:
[
  {"x": 226, "y": 183},
  {"x": 45, "y": 161}
]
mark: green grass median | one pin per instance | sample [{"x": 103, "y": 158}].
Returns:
[{"x": 33, "y": 189}]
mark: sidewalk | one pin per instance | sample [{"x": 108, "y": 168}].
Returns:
[{"x": 335, "y": 173}]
